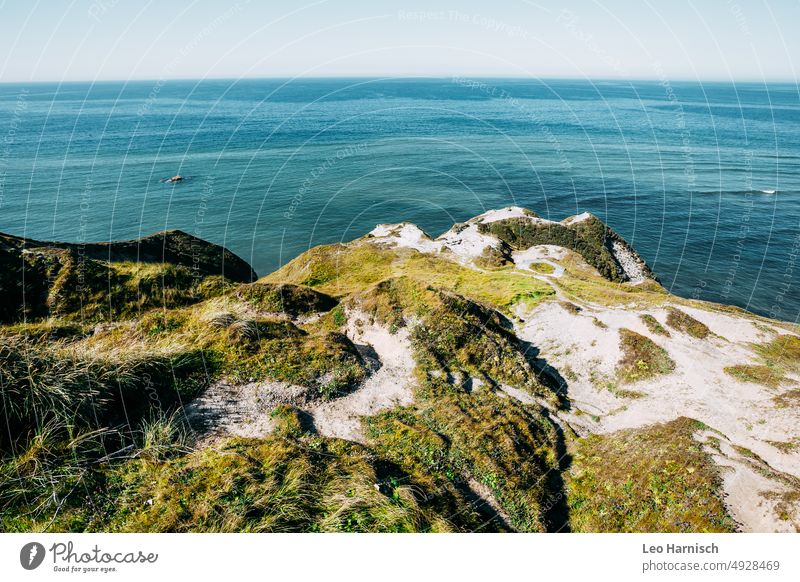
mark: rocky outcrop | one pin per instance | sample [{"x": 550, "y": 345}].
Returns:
[
  {"x": 40, "y": 278},
  {"x": 488, "y": 239},
  {"x": 170, "y": 246},
  {"x": 590, "y": 237}
]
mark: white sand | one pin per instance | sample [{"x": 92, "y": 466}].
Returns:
[
  {"x": 500, "y": 214},
  {"x": 387, "y": 388},
  {"x": 548, "y": 254},
  {"x": 467, "y": 243},
  {"x": 224, "y": 410},
  {"x": 577, "y": 218},
  {"x": 752, "y": 495},
  {"x": 464, "y": 243},
  {"x": 405, "y": 235},
  {"x": 699, "y": 388}
]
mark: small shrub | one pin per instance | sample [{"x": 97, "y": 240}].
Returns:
[
  {"x": 290, "y": 299},
  {"x": 790, "y": 398},
  {"x": 783, "y": 352},
  {"x": 641, "y": 358},
  {"x": 162, "y": 436},
  {"x": 756, "y": 374},
  {"x": 653, "y": 325},
  {"x": 288, "y": 422},
  {"x": 544, "y": 268},
  {"x": 683, "y": 322}
]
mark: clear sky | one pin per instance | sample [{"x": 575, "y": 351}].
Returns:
[{"x": 55, "y": 40}]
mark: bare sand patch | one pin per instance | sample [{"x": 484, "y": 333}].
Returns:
[{"x": 388, "y": 387}]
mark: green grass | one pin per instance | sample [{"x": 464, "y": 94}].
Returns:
[
  {"x": 783, "y": 352},
  {"x": 653, "y": 325},
  {"x": 99, "y": 440},
  {"x": 155, "y": 483},
  {"x": 653, "y": 479},
  {"x": 587, "y": 238},
  {"x": 275, "y": 484},
  {"x": 685, "y": 323},
  {"x": 641, "y": 358},
  {"x": 341, "y": 270},
  {"x": 779, "y": 356},
  {"x": 90, "y": 290},
  {"x": 293, "y": 300},
  {"x": 41, "y": 385},
  {"x": 543, "y": 268},
  {"x": 456, "y": 333},
  {"x": 756, "y": 374},
  {"x": 452, "y": 436},
  {"x": 584, "y": 283},
  {"x": 244, "y": 344}
]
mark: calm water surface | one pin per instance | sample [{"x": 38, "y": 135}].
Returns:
[{"x": 703, "y": 179}]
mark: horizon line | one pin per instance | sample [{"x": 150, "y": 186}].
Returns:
[{"x": 744, "y": 80}]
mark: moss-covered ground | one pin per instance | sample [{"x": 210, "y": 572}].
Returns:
[{"x": 655, "y": 479}]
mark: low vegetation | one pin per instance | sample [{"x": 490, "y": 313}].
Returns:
[
  {"x": 291, "y": 300},
  {"x": 570, "y": 307},
  {"x": 543, "y": 268},
  {"x": 779, "y": 357},
  {"x": 655, "y": 479},
  {"x": 788, "y": 398},
  {"x": 96, "y": 370},
  {"x": 109, "y": 281},
  {"x": 583, "y": 282},
  {"x": 589, "y": 238},
  {"x": 455, "y": 334},
  {"x": 342, "y": 270},
  {"x": 276, "y": 484},
  {"x": 462, "y": 426},
  {"x": 782, "y": 353},
  {"x": 641, "y": 358},
  {"x": 653, "y": 325},
  {"x": 685, "y": 323},
  {"x": 756, "y": 374}
]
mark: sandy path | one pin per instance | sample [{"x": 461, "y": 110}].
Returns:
[
  {"x": 548, "y": 254},
  {"x": 587, "y": 355},
  {"x": 390, "y": 386},
  {"x": 224, "y": 410}
]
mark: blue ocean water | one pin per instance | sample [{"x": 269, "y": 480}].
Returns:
[{"x": 703, "y": 179}]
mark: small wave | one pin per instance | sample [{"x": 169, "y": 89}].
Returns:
[{"x": 739, "y": 192}]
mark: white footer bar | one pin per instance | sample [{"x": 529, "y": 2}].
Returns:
[{"x": 390, "y": 557}]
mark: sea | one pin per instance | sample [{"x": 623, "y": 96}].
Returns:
[{"x": 702, "y": 178}]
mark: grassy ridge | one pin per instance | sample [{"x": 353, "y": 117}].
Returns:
[
  {"x": 342, "y": 270},
  {"x": 460, "y": 429}
]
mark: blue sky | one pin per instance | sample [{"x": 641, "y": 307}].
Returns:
[{"x": 121, "y": 39}]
